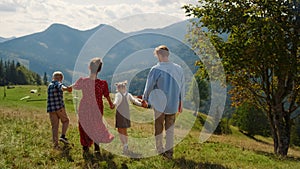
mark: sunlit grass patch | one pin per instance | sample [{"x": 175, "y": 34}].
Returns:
[{"x": 25, "y": 142}]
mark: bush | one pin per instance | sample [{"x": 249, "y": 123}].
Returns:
[
  {"x": 223, "y": 127},
  {"x": 295, "y": 132},
  {"x": 251, "y": 120}
]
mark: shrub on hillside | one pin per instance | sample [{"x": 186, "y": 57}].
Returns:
[
  {"x": 223, "y": 127},
  {"x": 295, "y": 132},
  {"x": 251, "y": 120}
]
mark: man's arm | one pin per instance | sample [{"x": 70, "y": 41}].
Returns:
[
  {"x": 111, "y": 105},
  {"x": 182, "y": 92},
  {"x": 66, "y": 88}
]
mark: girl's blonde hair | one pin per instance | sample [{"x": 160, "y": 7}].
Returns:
[
  {"x": 120, "y": 85},
  {"x": 161, "y": 50},
  {"x": 95, "y": 65}
]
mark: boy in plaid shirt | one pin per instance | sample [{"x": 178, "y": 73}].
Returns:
[{"x": 56, "y": 108}]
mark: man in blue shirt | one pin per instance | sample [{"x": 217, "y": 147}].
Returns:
[{"x": 164, "y": 91}]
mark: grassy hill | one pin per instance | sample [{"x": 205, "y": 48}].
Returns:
[{"x": 26, "y": 142}]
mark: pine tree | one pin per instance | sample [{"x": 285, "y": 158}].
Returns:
[
  {"x": 21, "y": 77},
  {"x": 45, "y": 79},
  {"x": 38, "y": 79},
  {"x": 6, "y": 72},
  {"x": 18, "y": 64},
  {"x": 15, "y": 73},
  {"x": 11, "y": 72},
  {"x": 1, "y": 73}
]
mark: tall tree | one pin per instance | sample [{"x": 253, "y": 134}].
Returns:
[
  {"x": 22, "y": 79},
  {"x": 45, "y": 79},
  {"x": 38, "y": 79},
  {"x": 261, "y": 55},
  {"x": 6, "y": 72},
  {"x": 13, "y": 72},
  {"x": 1, "y": 72}
]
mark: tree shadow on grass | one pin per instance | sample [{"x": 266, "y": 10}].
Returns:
[
  {"x": 268, "y": 154},
  {"x": 183, "y": 163},
  {"x": 277, "y": 157},
  {"x": 253, "y": 138}
]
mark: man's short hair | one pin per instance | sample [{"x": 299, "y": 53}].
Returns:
[{"x": 161, "y": 50}]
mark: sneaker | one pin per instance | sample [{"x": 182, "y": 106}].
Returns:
[
  {"x": 85, "y": 153},
  {"x": 57, "y": 147},
  {"x": 125, "y": 150},
  {"x": 168, "y": 155},
  {"x": 98, "y": 155},
  {"x": 64, "y": 140},
  {"x": 160, "y": 150}
]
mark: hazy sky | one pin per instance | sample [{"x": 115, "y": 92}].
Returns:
[{"x": 23, "y": 17}]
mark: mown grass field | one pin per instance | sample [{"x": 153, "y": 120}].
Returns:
[{"x": 25, "y": 142}]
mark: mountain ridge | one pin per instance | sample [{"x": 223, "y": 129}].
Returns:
[
  {"x": 59, "y": 46},
  {"x": 2, "y": 39}
]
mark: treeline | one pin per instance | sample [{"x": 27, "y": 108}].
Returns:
[{"x": 13, "y": 73}]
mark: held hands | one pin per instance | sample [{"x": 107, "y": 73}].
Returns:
[
  {"x": 69, "y": 89},
  {"x": 144, "y": 104},
  {"x": 112, "y": 106}
]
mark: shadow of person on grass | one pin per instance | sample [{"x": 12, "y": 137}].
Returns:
[
  {"x": 134, "y": 155},
  {"x": 104, "y": 160},
  {"x": 65, "y": 152},
  {"x": 183, "y": 163}
]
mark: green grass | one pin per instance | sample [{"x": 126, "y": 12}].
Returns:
[
  {"x": 25, "y": 142},
  {"x": 36, "y": 101}
]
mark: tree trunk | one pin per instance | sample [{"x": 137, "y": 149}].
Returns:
[
  {"x": 281, "y": 136},
  {"x": 273, "y": 130}
]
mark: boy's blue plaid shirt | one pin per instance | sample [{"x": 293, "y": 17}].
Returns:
[{"x": 55, "y": 99}]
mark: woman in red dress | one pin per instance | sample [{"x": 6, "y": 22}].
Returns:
[{"x": 90, "y": 113}]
